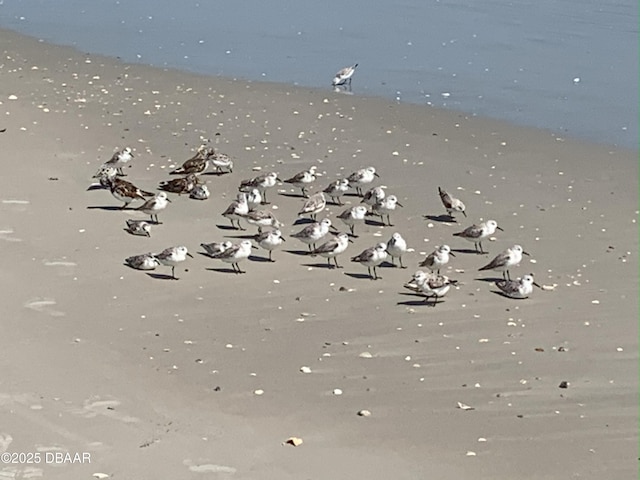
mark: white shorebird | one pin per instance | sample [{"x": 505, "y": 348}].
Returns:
[
  {"x": 373, "y": 196},
  {"x": 520, "y": 288},
  {"x": 146, "y": 261},
  {"x": 139, "y": 227},
  {"x": 343, "y": 76},
  {"x": 353, "y": 215},
  {"x": 262, "y": 183},
  {"x": 333, "y": 248},
  {"x": 196, "y": 164},
  {"x": 215, "y": 248},
  {"x": 222, "y": 162},
  {"x": 125, "y": 191},
  {"x": 254, "y": 198},
  {"x": 315, "y": 204},
  {"x": 362, "y": 178},
  {"x": 237, "y": 210},
  {"x": 372, "y": 257},
  {"x": 385, "y": 207},
  {"x": 180, "y": 185},
  {"x": 235, "y": 254},
  {"x": 270, "y": 240},
  {"x": 336, "y": 189},
  {"x": 451, "y": 204},
  {"x": 120, "y": 159},
  {"x": 262, "y": 218},
  {"x": 430, "y": 285},
  {"x": 396, "y": 248},
  {"x": 313, "y": 232},
  {"x": 172, "y": 256},
  {"x": 503, "y": 262},
  {"x": 477, "y": 233},
  {"x": 155, "y": 205},
  {"x": 437, "y": 259},
  {"x": 200, "y": 192},
  {"x": 303, "y": 179}
]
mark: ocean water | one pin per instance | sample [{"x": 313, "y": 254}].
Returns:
[{"x": 570, "y": 66}]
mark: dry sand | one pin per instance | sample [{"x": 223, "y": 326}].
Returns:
[{"x": 155, "y": 378}]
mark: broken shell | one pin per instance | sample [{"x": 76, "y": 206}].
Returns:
[
  {"x": 364, "y": 413},
  {"x": 295, "y": 441},
  {"x": 464, "y": 406}
]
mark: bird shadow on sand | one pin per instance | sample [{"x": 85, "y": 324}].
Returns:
[
  {"x": 375, "y": 223},
  {"x": 255, "y": 258},
  {"x": 440, "y": 218},
  {"x": 292, "y": 195},
  {"x": 301, "y": 253},
  {"x": 109, "y": 208},
  {"x": 320, "y": 265},
  {"x": 468, "y": 251},
  {"x": 242, "y": 236},
  {"x": 161, "y": 276},
  {"x": 417, "y": 303},
  {"x": 489, "y": 279},
  {"x": 227, "y": 227},
  {"x": 303, "y": 220},
  {"x": 360, "y": 276},
  {"x": 224, "y": 270}
]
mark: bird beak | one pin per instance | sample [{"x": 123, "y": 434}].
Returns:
[
  {"x": 464, "y": 213},
  {"x": 526, "y": 253},
  {"x": 189, "y": 255},
  {"x": 333, "y": 228},
  {"x": 500, "y": 229},
  {"x": 537, "y": 285},
  {"x": 376, "y": 174},
  {"x": 399, "y": 204},
  {"x": 452, "y": 254},
  {"x": 350, "y": 240},
  {"x": 279, "y": 179}
]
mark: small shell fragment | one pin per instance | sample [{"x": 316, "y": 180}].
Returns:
[
  {"x": 305, "y": 369},
  {"x": 295, "y": 441},
  {"x": 364, "y": 413},
  {"x": 365, "y": 355},
  {"x": 337, "y": 391},
  {"x": 464, "y": 406}
]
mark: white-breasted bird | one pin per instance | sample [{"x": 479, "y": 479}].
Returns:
[
  {"x": 343, "y": 76},
  {"x": 503, "y": 262},
  {"x": 477, "y": 233},
  {"x": 437, "y": 259},
  {"x": 396, "y": 248},
  {"x": 519, "y": 289},
  {"x": 371, "y": 258}
]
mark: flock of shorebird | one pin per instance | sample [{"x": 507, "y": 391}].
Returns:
[{"x": 252, "y": 195}]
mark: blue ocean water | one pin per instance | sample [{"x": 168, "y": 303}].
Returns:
[{"x": 570, "y": 66}]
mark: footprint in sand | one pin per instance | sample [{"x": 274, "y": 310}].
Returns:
[
  {"x": 44, "y": 305},
  {"x": 5, "y": 441},
  {"x": 66, "y": 267},
  {"x": 6, "y": 235},
  {"x": 14, "y": 473},
  {"x": 16, "y": 205},
  {"x": 208, "y": 467},
  {"x": 95, "y": 406}
]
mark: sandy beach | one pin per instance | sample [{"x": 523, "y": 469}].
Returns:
[{"x": 201, "y": 377}]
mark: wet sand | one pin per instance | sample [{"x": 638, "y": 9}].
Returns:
[{"x": 156, "y": 377}]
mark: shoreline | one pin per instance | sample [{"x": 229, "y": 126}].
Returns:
[
  {"x": 327, "y": 92},
  {"x": 159, "y": 377}
]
